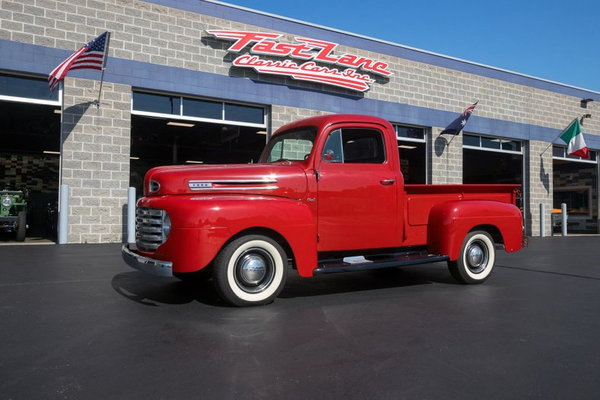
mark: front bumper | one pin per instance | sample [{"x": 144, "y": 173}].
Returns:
[{"x": 146, "y": 264}]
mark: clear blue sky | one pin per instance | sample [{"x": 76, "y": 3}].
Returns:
[{"x": 552, "y": 39}]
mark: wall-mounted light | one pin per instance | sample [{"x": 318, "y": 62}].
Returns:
[
  {"x": 51, "y": 152},
  {"x": 57, "y": 111},
  {"x": 182, "y": 124},
  {"x": 261, "y": 132},
  {"x": 194, "y": 162},
  {"x": 134, "y": 158},
  {"x": 405, "y": 146},
  {"x": 584, "y": 102}
]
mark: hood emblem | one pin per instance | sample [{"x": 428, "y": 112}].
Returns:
[{"x": 200, "y": 185}]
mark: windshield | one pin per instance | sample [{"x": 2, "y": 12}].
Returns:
[{"x": 294, "y": 145}]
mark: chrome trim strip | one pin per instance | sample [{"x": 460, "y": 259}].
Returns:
[
  {"x": 207, "y": 184},
  {"x": 146, "y": 264},
  {"x": 235, "y": 188},
  {"x": 235, "y": 181}
]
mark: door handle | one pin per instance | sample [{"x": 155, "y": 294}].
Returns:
[{"x": 387, "y": 182}]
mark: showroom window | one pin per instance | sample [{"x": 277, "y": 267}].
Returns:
[
  {"x": 30, "y": 151},
  {"x": 560, "y": 153},
  {"x": 412, "y": 148},
  {"x": 193, "y": 109},
  {"x": 27, "y": 89},
  {"x": 492, "y": 143},
  {"x": 575, "y": 183},
  {"x": 170, "y": 129},
  {"x": 492, "y": 159}
]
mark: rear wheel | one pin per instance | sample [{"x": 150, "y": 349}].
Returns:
[
  {"x": 476, "y": 259},
  {"x": 251, "y": 270},
  {"x": 21, "y": 226}
]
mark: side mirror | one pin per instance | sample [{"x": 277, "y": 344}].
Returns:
[{"x": 328, "y": 155}]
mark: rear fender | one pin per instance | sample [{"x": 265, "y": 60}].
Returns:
[{"x": 450, "y": 222}]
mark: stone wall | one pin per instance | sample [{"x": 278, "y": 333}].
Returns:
[
  {"x": 538, "y": 174},
  {"x": 96, "y": 141},
  {"x": 445, "y": 155},
  {"x": 95, "y": 159}
]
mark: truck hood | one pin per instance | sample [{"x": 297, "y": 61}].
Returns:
[{"x": 286, "y": 180}]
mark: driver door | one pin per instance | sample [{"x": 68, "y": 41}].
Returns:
[{"x": 357, "y": 192}]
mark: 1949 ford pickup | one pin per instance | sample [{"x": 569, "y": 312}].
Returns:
[{"x": 327, "y": 196}]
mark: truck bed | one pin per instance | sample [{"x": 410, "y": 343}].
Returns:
[{"x": 421, "y": 198}]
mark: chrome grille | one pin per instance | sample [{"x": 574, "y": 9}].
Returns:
[{"x": 149, "y": 228}]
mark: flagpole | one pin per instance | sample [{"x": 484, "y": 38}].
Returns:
[
  {"x": 583, "y": 116},
  {"x": 103, "y": 68},
  {"x": 97, "y": 102}
]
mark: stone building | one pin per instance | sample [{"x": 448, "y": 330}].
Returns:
[{"x": 176, "y": 90}]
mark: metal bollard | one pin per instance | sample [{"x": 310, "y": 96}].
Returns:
[
  {"x": 63, "y": 214},
  {"x": 131, "y": 215},
  {"x": 542, "y": 220},
  {"x": 564, "y": 217}
]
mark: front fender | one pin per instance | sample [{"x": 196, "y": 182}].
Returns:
[
  {"x": 450, "y": 222},
  {"x": 202, "y": 225}
]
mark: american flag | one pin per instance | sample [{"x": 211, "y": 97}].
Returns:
[
  {"x": 90, "y": 56},
  {"x": 459, "y": 123}
]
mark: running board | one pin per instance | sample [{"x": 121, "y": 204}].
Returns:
[{"x": 360, "y": 263}]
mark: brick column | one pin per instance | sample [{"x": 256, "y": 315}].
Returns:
[
  {"x": 446, "y": 158},
  {"x": 538, "y": 172},
  {"x": 95, "y": 159}
]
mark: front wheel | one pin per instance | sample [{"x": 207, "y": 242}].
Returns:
[
  {"x": 476, "y": 259},
  {"x": 251, "y": 270}
]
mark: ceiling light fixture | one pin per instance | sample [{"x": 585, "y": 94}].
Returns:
[
  {"x": 194, "y": 162},
  {"x": 182, "y": 124},
  {"x": 51, "y": 152},
  {"x": 405, "y": 146}
]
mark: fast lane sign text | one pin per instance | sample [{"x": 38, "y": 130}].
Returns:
[{"x": 346, "y": 70}]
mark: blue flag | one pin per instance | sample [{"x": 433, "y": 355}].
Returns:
[{"x": 459, "y": 123}]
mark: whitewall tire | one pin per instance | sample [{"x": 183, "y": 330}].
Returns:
[
  {"x": 476, "y": 259},
  {"x": 250, "y": 270}
]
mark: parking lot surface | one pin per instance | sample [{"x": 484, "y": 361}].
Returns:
[{"x": 77, "y": 323}]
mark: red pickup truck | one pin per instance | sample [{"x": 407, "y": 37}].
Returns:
[{"x": 327, "y": 196}]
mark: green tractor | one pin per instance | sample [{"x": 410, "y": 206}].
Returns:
[{"x": 13, "y": 212}]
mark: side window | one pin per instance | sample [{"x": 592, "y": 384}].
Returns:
[{"x": 354, "y": 146}]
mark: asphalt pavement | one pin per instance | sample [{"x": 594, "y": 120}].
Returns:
[{"x": 77, "y": 323}]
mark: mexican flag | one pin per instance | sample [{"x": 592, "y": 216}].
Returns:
[{"x": 573, "y": 137}]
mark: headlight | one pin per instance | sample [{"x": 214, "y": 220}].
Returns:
[
  {"x": 153, "y": 186},
  {"x": 166, "y": 226},
  {"x": 6, "y": 201}
]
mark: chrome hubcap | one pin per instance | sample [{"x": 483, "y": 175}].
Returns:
[
  {"x": 253, "y": 269},
  {"x": 476, "y": 257}
]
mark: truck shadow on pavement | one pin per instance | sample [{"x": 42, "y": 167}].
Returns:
[
  {"x": 154, "y": 291},
  {"x": 361, "y": 281}
]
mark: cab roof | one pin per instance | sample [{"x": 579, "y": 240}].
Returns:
[{"x": 322, "y": 121}]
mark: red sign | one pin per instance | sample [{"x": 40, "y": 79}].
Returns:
[{"x": 349, "y": 71}]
